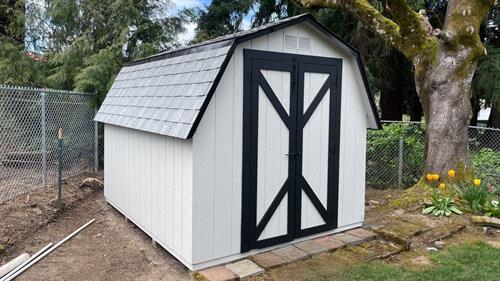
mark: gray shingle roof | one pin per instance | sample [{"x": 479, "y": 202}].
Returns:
[{"x": 162, "y": 96}]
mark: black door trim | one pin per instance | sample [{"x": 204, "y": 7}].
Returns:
[{"x": 295, "y": 120}]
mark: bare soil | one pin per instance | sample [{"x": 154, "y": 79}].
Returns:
[
  {"x": 27, "y": 213},
  {"x": 108, "y": 249}
]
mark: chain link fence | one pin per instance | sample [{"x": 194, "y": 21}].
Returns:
[
  {"x": 29, "y": 120},
  {"x": 395, "y": 155}
]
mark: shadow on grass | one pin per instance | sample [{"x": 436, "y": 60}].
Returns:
[{"x": 470, "y": 261}]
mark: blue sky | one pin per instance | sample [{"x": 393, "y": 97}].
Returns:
[{"x": 189, "y": 34}]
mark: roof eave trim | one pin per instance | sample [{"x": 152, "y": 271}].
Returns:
[
  {"x": 371, "y": 98},
  {"x": 182, "y": 52}
]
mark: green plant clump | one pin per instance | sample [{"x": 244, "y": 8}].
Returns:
[
  {"x": 476, "y": 197},
  {"x": 441, "y": 205},
  {"x": 480, "y": 197}
]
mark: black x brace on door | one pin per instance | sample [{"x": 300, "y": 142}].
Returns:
[{"x": 295, "y": 120}]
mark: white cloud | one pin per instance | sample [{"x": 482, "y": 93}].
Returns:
[
  {"x": 246, "y": 23},
  {"x": 187, "y": 35}
]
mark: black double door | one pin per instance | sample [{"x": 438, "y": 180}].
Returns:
[{"x": 291, "y": 125}]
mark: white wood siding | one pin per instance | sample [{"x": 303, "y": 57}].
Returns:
[
  {"x": 272, "y": 162},
  {"x": 148, "y": 177},
  {"x": 315, "y": 149},
  {"x": 217, "y": 148}
]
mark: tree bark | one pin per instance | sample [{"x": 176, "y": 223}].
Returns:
[{"x": 444, "y": 89}]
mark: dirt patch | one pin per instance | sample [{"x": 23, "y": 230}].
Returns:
[
  {"x": 25, "y": 214},
  {"x": 109, "y": 249},
  {"x": 420, "y": 261}
]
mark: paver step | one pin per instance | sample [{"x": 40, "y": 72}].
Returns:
[{"x": 257, "y": 264}]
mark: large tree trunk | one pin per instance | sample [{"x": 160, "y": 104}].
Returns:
[{"x": 444, "y": 89}]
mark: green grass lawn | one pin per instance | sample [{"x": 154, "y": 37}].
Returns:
[{"x": 471, "y": 261}]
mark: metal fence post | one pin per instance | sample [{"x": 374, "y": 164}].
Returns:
[
  {"x": 96, "y": 144},
  {"x": 44, "y": 137},
  {"x": 400, "y": 161}
]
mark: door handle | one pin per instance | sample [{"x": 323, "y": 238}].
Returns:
[{"x": 295, "y": 154}]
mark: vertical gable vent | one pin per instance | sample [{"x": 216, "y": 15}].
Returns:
[
  {"x": 304, "y": 43},
  {"x": 294, "y": 42},
  {"x": 290, "y": 42}
]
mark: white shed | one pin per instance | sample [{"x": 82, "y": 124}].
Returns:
[{"x": 240, "y": 143}]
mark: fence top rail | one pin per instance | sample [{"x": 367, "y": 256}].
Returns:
[
  {"x": 422, "y": 123},
  {"x": 11, "y": 89}
]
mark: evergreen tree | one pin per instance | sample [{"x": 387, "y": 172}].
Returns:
[
  {"x": 17, "y": 66},
  {"x": 219, "y": 18},
  {"x": 89, "y": 41}
]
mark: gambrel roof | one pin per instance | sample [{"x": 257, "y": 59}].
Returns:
[{"x": 168, "y": 93}]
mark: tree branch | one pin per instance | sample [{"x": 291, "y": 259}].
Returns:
[
  {"x": 406, "y": 30},
  {"x": 365, "y": 13},
  {"x": 463, "y": 20}
]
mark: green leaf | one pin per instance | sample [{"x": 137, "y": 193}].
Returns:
[
  {"x": 455, "y": 210},
  {"x": 428, "y": 210}
]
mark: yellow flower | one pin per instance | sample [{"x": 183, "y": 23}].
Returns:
[
  {"x": 442, "y": 186},
  {"x": 451, "y": 173},
  {"x": 429, "y": 176},
  {"x": 477, "y": 182},
  {"x": 435, "y": 177}
]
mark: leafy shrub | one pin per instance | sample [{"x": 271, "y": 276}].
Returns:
[
  {"x": 492, "y": 209},
  {"x": 486, "y": 165},
  {"x": 382, "y": 155}
]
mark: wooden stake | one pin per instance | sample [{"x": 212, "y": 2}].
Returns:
[{"x": 59, "y": 167}]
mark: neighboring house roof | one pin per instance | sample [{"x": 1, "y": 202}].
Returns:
[{"x": 168, "y": 93}]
